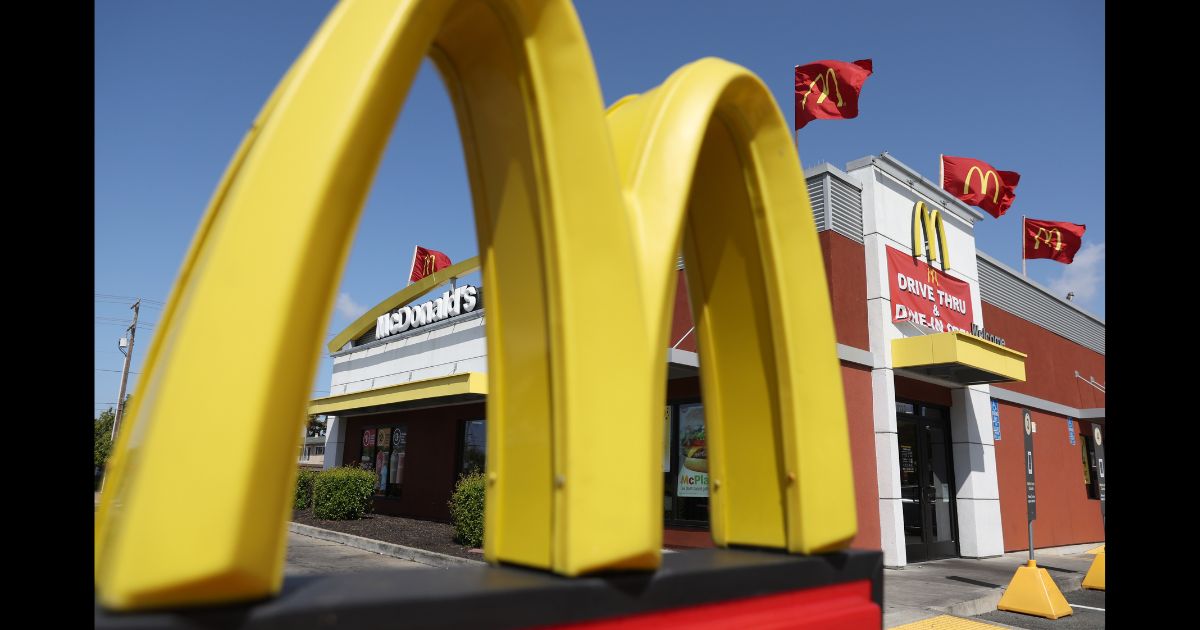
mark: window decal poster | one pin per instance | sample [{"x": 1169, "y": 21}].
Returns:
[
  {"x": 667, "y": 442},
  {"x": 383, "y": 444},
  {"x": 399, "y": 444},
  {"x": 368, "y": 450},
  {"x": 693, "y": 453}
]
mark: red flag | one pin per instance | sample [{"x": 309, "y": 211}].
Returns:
[
  {"x": 1056, "y": 240},
  {"x": 978, "y": 184},
  {"x": 427, "y": 261},
  {"x": 829, "y": 89}
]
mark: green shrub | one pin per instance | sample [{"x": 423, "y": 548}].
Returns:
[
  {"x": 466, "y": 509},
  {"x": 343, "y": 494},
  {"x": 304, "y": 488}
]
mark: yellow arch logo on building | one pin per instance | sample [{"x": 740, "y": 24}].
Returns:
[
  {"x": 575, "y": 211},
  {"x": 928, "y": 226}
]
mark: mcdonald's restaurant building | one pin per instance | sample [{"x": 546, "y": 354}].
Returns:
[{"x": 942, "y": 348}]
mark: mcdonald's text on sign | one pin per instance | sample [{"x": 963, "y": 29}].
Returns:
[
  {"x": 927, "y": 297},
  {"x": 451, "y": 304}
]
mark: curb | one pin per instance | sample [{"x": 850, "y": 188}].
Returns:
[{"x": 430, "y": 558}]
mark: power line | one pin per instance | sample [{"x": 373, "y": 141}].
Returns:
[
  {"x": 126, "y": 303},
  {"x": 121, "y": 323},
  {"x": 127, "y": 297},
  {"x": 124, "y": 323},
  {"x": 117, "y": 371}
]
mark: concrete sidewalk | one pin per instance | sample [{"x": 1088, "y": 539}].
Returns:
[{"x": 966, "y": 587}]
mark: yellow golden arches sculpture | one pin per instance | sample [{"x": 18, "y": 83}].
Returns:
[
  {"x": 709, "y": 155},
  {"x": 565, "y": 202}
]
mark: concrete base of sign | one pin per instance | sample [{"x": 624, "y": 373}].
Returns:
[
  {"x": 1033, "y": 592},
  {"x": 1095, "y": 575},
  {"x": 1097, "y": 550}
]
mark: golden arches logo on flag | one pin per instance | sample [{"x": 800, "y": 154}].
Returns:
[
  {"x": 996, "y": 188},
  {"x": 983, "y": 182},
  {"x": 1056, "y": 240},
  {"x": 426, "y": 262},
  {"x": 1048, "y": 237},
  {"x": 837, "y": 85},
  {"x": 822, "y": 82}
]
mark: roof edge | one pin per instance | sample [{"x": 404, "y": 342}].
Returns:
[
  {"x": 890, "y": 165},
  {"x": 400, "y": 298}
]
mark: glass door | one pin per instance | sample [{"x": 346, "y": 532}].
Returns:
[{"x": 926, "y": 482}]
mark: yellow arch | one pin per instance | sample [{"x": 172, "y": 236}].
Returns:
[
  {"x": 261, "y": 278},
  {"x": 709, "y": 155},
  {"x": 554, "y": 222}
]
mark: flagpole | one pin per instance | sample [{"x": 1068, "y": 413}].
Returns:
[
  {"x": 1023, "y": 247},
  {"x": 412, "y": 264}
]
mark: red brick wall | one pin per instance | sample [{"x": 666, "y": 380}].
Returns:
[
  {"x": 847, "y": 296},
  {"x": 430, "y": 458},
  {"x": 681, "y": 317},
  {"x": 856, "y": 384},
  {"x": 845, "y": 259},
  {"x": 1052, "y": 362},
  {"x": 1065, "y": 514},
  {"x": 909, "y": 389}
]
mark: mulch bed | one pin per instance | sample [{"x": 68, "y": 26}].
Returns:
[{"x": 427, "y": 535}]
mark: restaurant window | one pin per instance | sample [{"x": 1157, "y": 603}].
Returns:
[
  {"x": 383, "y": 453},
  {"x": 1090, "y": 473},
  {"x": 474, "y": 447},
  {"x": 686, "y": 471}
]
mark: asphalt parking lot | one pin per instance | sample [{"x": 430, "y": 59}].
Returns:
[{"x": 1087, "y": 607}]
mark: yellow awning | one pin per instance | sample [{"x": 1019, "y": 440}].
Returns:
[
  {"x": 465, "y": 387},
  {"x": 958, "y": 357}
]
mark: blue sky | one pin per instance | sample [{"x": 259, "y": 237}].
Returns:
[{"x": 1019, "y": 85}]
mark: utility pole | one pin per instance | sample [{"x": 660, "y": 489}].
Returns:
[{"x": 128, "y": 352}]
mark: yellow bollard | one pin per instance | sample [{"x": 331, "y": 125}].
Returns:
[
  {"x": 1095, "y": 575},
  {"x": 1033, "y": 592}
]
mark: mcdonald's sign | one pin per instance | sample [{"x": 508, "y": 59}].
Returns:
[
  {"x": 925, "y": 296},
  {"x": 927, "y": 227},
  {"x": 704, "y": 162}
]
